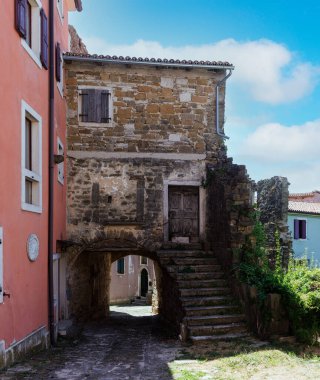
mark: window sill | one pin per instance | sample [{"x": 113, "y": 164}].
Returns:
[
  {"x": 31, "y": 208},
  {"x": 31, "y": 53},
  {"x": 101, "y": 125}
]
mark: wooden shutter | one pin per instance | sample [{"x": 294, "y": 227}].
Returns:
[
  {"x": 105, "y": 106},
  {"x": 58, "y": 62},
  {"x": 88, "y": 107},
  {"x": 296, "y": 229},
  {"x": 303, "y": 229},
  {"x": 44, "y": 39},
  {"x": 21, "y": 17}
]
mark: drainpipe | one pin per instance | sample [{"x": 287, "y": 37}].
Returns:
[
  {"x": 51, "y": 172},
  {"x": 218, "y": 130}
]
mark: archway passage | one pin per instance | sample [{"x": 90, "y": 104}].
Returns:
[{"x": 144, "y": 282}]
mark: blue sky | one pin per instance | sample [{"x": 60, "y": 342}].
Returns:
[{"x": 273, "y": 96}]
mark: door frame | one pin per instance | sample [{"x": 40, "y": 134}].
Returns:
[
  {"x": 202, "y": 206},
  {"x": 139, "y": 280}
]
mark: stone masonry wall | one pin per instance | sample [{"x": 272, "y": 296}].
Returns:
[
  {"x": 272, "y": 201},
  {"x": 162, "y": 130},
  {"x": 153, "y": 110}
]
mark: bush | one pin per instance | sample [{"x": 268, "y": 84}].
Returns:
[{"x": 299, "y": 286}]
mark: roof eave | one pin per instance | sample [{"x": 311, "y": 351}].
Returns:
[
  {"x": 145, "y": 63},
  {"x": 78, "y": 4}
]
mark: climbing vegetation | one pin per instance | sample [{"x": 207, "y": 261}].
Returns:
[{"x": 299, "y": 284}]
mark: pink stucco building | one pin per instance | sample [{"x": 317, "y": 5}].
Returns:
[{"x": 33, "y": 36}]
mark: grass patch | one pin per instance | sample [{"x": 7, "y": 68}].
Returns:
[{"x": 243, "y": 360}]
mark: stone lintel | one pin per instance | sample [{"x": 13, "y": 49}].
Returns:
[{"x": 80, "y": 154}]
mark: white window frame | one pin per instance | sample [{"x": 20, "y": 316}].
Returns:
[
  {"x": 60, "y": 10},
  {"x": 1, "y": 265},
  {"x": 141, "y": 258},
  {"x": 86, "y": 123},
  {"x": 60, "y": 151},
  {"x": 34, "y": 175},
  {"x": 34, "y": 50}
]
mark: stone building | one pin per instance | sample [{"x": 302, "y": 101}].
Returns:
[{"x": 148, "y": 175}]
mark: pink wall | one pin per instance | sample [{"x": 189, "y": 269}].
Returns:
[
  {"x": 26, "y": 281},
  {"x": 124, "y": 287}
]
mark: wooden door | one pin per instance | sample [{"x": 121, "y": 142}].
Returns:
[{"x": 184, "y": 213}]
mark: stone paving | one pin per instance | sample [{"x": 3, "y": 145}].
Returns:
[{"x": 131, "y": 345}]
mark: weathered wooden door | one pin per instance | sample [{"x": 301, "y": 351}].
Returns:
[{"x": 184, "y": 213}]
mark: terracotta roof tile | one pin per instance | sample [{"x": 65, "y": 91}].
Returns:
[
  {"x": 304, "y": 207},
  {"x": 155, "y": 61}
]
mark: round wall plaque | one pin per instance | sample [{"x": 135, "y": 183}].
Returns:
[{"x": 33, "y": 247}]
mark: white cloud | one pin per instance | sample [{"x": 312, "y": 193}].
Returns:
[
  {"x": 274, "y": 142},
  {"x": 267, "y": 70}
]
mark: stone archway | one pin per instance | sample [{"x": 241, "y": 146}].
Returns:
[{"x": 89, "y": 277}]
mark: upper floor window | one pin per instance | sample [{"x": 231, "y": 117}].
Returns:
[
  {"x": 120, "y": 266},
  {"x": 95, "y": 105},
  {"x": 31, "y": 159},
  {"x": 32, "y": 25},
  {"x": 300, "y": 228}
]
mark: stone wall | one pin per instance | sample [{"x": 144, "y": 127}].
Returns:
[
  {"x": 153, "y": 109},
  {"x": 162, "y": 131},
  {"x": 272, "y": 202},
  {"x": 76, "y": 44},
  {"x": 230, "y": 201}
]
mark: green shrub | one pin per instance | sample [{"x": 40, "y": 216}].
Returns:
[{"x": 299, "y": 285}]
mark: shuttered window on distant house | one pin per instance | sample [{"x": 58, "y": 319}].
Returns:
[
  {"x": 95, "y": 106},
  {"x": 300, "y": 229},
  {"x": 120, "y": 266}
]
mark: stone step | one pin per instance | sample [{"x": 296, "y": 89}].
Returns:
[
  {"x": 221, "y": 337},
  {"x": 206, "y": 330},
  {"x": 198, "y": 275},
  {"x": 186, "y": 253},
  {"x": 210, "y": 310},
  {"x": 181, "y": 246},
  {"x": 206, "y": 301},
  {"x": 214, "y": 319},
  {"x": 193, "y": 268},
  {"x": 183, "y": 284},
  {"x": 189, "y": 261},
  {"x": 204, "y": 291}
]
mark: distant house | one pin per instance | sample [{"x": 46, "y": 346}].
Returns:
[
  {"x": 304, "y": 224},
  {"x": 131, "y": 277}
]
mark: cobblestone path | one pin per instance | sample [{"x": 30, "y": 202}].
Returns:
[{"x": 123, "y": 348}]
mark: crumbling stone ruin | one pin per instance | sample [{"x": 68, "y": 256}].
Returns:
[{"x": 272, "y": 202}]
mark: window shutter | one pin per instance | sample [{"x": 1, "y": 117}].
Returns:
[
  {"x": 21, "y": 17},
  {"x": 303, "y": 232},
  {"x": 84, "y": 106},
  {"x": 296, "y": 229},
  {"x": 44, "y": 39},
  {"x": 105, "y": 104},
  {"x": 58, "y": 62}
]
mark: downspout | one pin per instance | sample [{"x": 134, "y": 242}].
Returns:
[
  {"x": 223, "y": 80},
  {"x": 51, "y": 172}
]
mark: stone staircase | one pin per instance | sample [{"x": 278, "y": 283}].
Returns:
[{"x": 211, "y": 313}]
